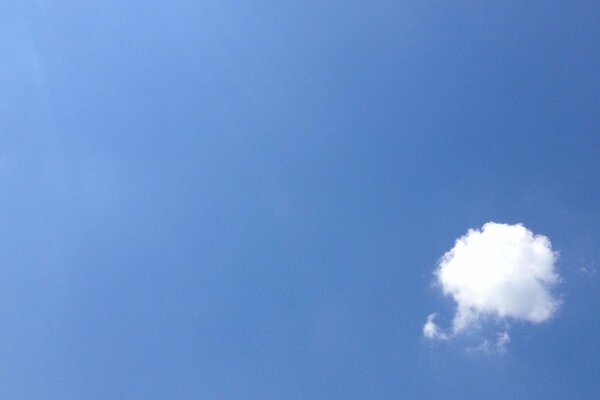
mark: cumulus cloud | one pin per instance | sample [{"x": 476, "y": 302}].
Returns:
[{"x": 501, "y": 271}]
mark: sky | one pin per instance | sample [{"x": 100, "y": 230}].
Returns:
[{"x": 274, "y": 200}]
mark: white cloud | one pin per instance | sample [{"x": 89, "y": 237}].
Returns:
[
  {"x": 432, "y": 331},
  {"x": 490, "y": 347},
  {"x": 501, "y": 271}
]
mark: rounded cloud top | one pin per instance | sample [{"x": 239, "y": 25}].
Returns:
[{"x": 501, "y": 270}]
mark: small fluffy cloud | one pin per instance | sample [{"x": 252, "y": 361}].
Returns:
[
  {"x": 432, "y": 331},
  {"x": 500, "y": 271}
]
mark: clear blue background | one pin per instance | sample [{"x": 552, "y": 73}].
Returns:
[{"x": 246, "y": 200}]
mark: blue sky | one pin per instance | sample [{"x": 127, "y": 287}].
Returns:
[{"x": 247, "y": 200}]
